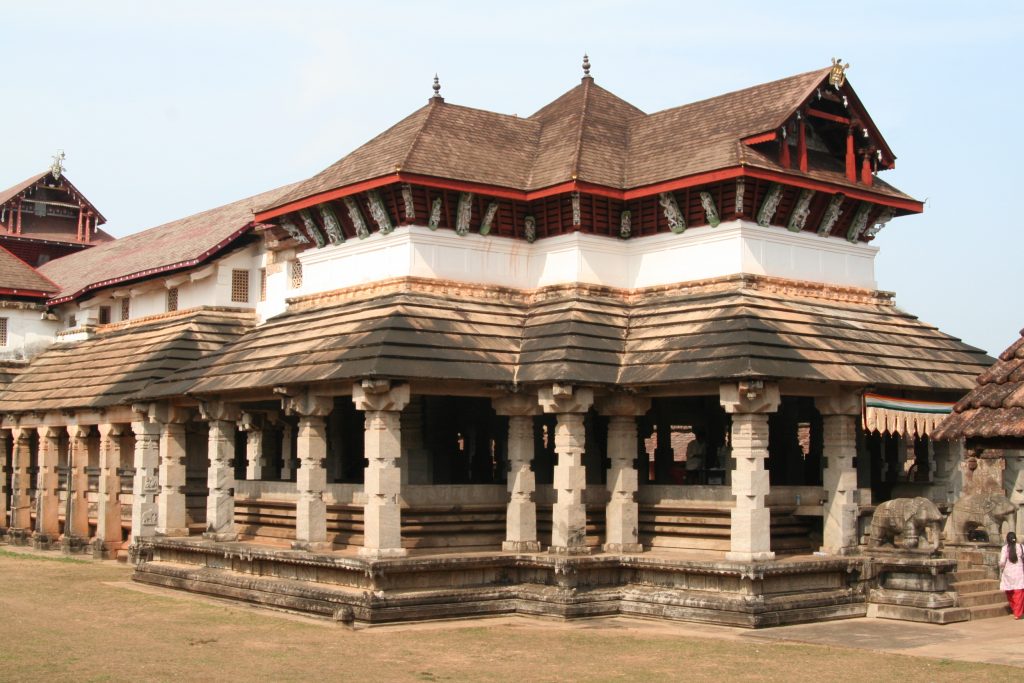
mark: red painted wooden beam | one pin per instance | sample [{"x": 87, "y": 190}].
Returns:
[
  {"x": 828, "y": 117},
  {"x": 758, "y": 139}
]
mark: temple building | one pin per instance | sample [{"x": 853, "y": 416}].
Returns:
[{"x": 590, "y": 361}]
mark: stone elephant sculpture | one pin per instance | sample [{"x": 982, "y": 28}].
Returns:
[
  {"x": 988, "y": 511},
  {"x": 906, "y": 523}
]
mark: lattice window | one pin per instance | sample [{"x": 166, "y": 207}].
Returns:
[
  {"x": 296, "y": 280},
  {"x": 3, "y": 331},
  {"x": 72, "y": 321},
  {"x": 104, "y": 315},
  {"x": 240, "y": 286},
  {"x": 125, "y": 309},
  {"x": 263, "y": 284},
  {"x": 172, "y": 299}
]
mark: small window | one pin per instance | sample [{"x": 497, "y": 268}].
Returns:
[
  {"x": 296, "y": 281},
  {"x": 240, "y": 286},
  {"x": 104, "y": 315},
  {"x": 3, "y": 331},
  {"x": 172, "y": 299},
  {"x": 263, "y": 284},
  {"x": 125, "y": 309},
  {"x": 72, "y": 322}
]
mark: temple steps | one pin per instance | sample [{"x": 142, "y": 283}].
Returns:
[
  {"x": 706, "y": 525},
  {"x": 976, "y": 583}
]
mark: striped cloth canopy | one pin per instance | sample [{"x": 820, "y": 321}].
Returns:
[{"x": 907, "y": 417}]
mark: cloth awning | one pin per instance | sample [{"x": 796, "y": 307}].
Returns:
[{"x": 903, "y": 416}]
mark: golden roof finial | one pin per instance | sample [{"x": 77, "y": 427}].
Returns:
[{"x": 837, "y": 76}]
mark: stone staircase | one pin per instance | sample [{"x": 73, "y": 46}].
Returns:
[{"x": 976, "y": 582}]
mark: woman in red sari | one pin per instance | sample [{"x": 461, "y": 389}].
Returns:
[{"x": 1011, "y": 574}]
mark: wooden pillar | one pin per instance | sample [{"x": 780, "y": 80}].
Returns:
[
  {"x": 521, "y": 515},
  {"x": 851, "y": 157},
  {"x": 172, "y": 511},
  {"x": 47, "y": 481},
  {"x": 801, "y": 149},
  {"x": 108, "y": 522},
  {"x": 840, "y": 413},
  {"x": 18, "y": 228},
  {"x": 865, "y": 169},
  {"x": 311, "y": 477},
  {"x": 21, "y": 483},
  {"x": 569, "y": 513},
  {"x": 749, "y": 403},
  {"x": 622, "y": 516},
  {"x": 76, "y": 523},
  {"x": 220, "y": 498},
  {"x": 382, "y": 405},
  {"x": 784, "y": 159}
]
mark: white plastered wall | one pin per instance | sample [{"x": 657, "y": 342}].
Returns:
[{"x": 28, "y": 332}]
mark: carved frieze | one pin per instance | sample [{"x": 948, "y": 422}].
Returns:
[
  {"x": 710, "y": 210},
  {"x": 770, "y": 205},
  {"x": 311, "y": 228},
  {"x": 576, "y": 216},
  {"x": 464, "y": 213},
  {"x": 409, "y": 205},
  {"x": 331, "y": 224},
  {"x": 356, "y": 216},
  {"x": 879, "y": 223},
  {"x": 293, "y": 231},
  {"x": 741, "y": 186},
  {"x": 831, "y": 215},
  {"x": 801, "y": 211},
  {"x": 435, "y": 214},
  {"x": 674, "y": 217},
  {"x": 488, "y": 221},
  {"x": 379, "y": 212},
  {"x": 625, "y": 224},
  {"x": 530, "y": 228},
  {"x": 859, "y": 222}
]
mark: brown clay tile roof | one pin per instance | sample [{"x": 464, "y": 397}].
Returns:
[
  {"x": 17, "y": 275},
  {"x": 120, "y": 362},
  {"x": 182, "y": 243},
  {"x": 740, "y": 328},
  {"x": 995, "y": 407},
  {"x": 587, "y": 134}
]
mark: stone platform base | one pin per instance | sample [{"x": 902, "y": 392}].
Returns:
[
  {"x": 345, "y": 588},
  {"x": 914, "y": 589}
]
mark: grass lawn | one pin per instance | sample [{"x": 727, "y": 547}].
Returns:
[{"x": 78, "y": 619}]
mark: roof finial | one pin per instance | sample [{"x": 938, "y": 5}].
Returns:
[
  {"x": 437, "y": 89},
  {"x": 57, "y": 167},
  {"x": 586, "y": 66},
  {"x": 837, "y": 76}
]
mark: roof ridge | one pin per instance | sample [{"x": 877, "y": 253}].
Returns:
[
  {"x": 434, "y": 104},
  {"x": 582, "y": 124}
]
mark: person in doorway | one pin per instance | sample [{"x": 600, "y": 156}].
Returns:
[
  {"x": 1011, "y": 574},
  {"x": 695, "y": 451}
]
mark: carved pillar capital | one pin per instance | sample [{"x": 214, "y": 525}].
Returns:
[
  {"x": 516, "y": 405},
  {"x": 378, "y": 395},
  {"x": 308, "y": 405},
  {"x": 219, "y": 411},
  {"x": 749, "y": 396},
  {"x": 109, "y": 430},
  {"x": 622, "y": 405},
  {"x": 79, "y": 431},
  {"x": 565, "y": 398},
  {"x": 49, "y": 431},
  {"x": 841, "y": 402}
]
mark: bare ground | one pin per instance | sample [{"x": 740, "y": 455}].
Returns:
[{"x": 66, "y": 619}]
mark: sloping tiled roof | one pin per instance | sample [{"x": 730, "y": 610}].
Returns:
[
  {"x": 736, "y": 327},
  {"x": 995, "y": 407},
  {"x": 182, "y": 243},
  {"x": 15, "y": 274},
  {"x": 115, "y": 365},
  {"x": 588, "y": 134},
  {"x": 16, "y": 189}
]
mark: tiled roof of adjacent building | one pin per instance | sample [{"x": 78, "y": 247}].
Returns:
[
  {"x": 183, "y": 243},
  {"x": 994, "y": 409},
  {"x": 587, "y": 135},
  {"x": 17, "y": 277}
]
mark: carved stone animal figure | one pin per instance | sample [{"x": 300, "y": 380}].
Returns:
[
  {"x": 907, "y": 523},
  {"x": 988, "y": 511}
]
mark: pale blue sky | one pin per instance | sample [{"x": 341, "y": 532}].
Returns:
[{"x": 166, "y": 109}]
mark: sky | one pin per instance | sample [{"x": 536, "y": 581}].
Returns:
[{"x": 166, "y": 109}]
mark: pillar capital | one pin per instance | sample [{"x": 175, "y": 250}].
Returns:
[
  {"x": 377, "y": 395},
  {"x": 219, "y": 411},
  {"x": 109, "y": 429},
  {"x": 307, "y": 404},
  {"x": 840, "y": 402},
  {"x": 79, "y": 431},
  {"x": 516, "y": 405},
  {"x": 565, "y": 398},
  {"x": 250, "y": 422},
  {"x": 49, "y": 431},
  {"x": 622, "y": 405},
  {"x": 749, "y": 396}
]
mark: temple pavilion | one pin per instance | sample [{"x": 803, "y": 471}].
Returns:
[{"x": 593, "y": 360}]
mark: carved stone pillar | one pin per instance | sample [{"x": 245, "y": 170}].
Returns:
[
  {"x": 76, "y": 523},
  {"x": 521, "y": 516},
  {"x": 382, "y": 404},
  {"x": 839, "y": 417},
  {"x": 5, "y": 494},
  {"x": 749, "y": 403},
  {"x": 172, "y": 511},
  {"x": 255, "y": 460},
  {"x": 622, "y": 517},
  {"x": 108, "y": 522},
  {"x": 21, "y": 482},
  {"x": 220, "y": 498},
  {"x": 568, "y": 514},
  {"x": 146, "y": 484},
  {"x": 311, "y": 477},
  {"x": 287, "y": 457},
  {"x": 47, "y": 481}
]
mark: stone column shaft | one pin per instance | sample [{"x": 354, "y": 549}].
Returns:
[
  {"x": 5, "y": 494},
  {"x": 108, "y": 524},
  {"x": 47, "y": 481},
  {"x": 254, "y": 461},
  {"x": 311, "y": 482},
  {"x": 220, "y": 499},
  {"x": 622, "y": 516},
  {"x": 146, "y": 483},
  {"x": 750, "y": 528},
  {"x": 77, "y": 525},
  {"x": 21, "y": 503},
  {"x": 382, "y": 405},
  {"x": 568, "y": 514},
  {"x": 839, "y": 419},
  {"x": 172, "y": 513},
  {"x": 287, "y": 458}
]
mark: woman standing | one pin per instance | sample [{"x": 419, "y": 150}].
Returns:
[{"x": 1011, "y": 571}]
